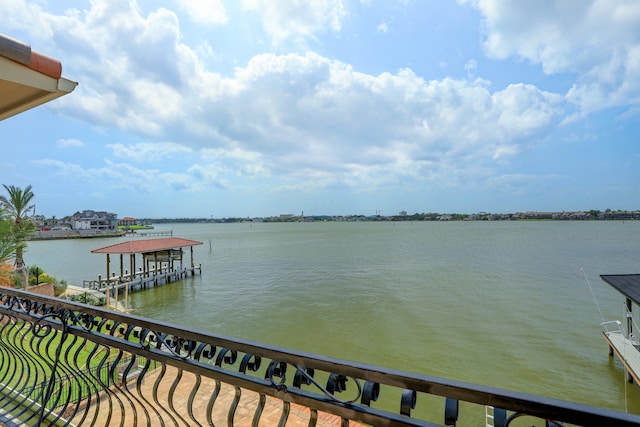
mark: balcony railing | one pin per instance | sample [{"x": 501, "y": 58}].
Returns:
[{"x": 64, "y": 363}]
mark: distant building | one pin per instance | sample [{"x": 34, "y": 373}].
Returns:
[
  {"x": 127, "y": 221},
  {"x": 92, "y": 220}
]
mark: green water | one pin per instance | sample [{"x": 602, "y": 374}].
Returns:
[{"x": 495, "y": 303}]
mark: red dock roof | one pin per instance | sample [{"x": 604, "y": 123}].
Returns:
[{"x": 148, "y": 245}]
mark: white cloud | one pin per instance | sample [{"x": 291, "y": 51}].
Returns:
[
  {"x": 382, "y": 27},
  {"x": 25, "y": 17},
  {"x": 309, "y": 120},
  {"x": 64, "y": 168},
  {"x": 69, "y": 143},
  {"x": 124, "y": 176},
  {"x": 471, "y": 67},
  {"x": 521, "y": 184},
  {"x": 131, "y": 68},
  {"x": 283, "y": 19},
  {"x": 149, "y": 152},
  {"x": 598, "y": 40},
  {"x": 306, "y": 114},
  {"x": 205, "y": 12}
]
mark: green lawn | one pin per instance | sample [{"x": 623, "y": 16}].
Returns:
[{"x": 135, "y": 227}]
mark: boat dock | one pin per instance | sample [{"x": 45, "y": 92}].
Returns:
[
  {"x": 624, "y": 348},
  {"x": 162, "y": 262},
  {"x": 148, "y": 233},
  {"x": 624, "y": 343},
  {"x": 141, "y": 279}
]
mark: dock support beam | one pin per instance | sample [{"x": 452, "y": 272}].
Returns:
[
  {"x": 629, "y": 318},
  {"x": 629, "y": 330},
  {"x": 108, "y": 266}
]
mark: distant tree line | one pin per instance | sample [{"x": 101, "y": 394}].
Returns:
[{"x": 592, "y": 214}]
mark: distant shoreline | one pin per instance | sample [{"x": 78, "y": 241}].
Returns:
[
  {"x": 73, "y": 234},
  {"x": 591, "y": 215}
]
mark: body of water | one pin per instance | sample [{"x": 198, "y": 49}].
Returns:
[{"x": 493, "y": 303}]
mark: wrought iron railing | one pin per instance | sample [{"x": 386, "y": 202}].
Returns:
[{"x": 64, "y": 363}]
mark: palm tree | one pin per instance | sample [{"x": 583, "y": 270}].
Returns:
[
  {"x": 17, "y": 207},
  {"x": 8, "y": 242}
]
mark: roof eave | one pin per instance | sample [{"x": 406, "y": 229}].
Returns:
[
  {"x": 41, "y": 97},
  {"x": 28, "y": 79},
  {"x": 627, "y": 284}
]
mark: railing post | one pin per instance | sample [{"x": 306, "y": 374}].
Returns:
[
  {"x": 408, "y": 402},
  {"x": 451, "y": 407},
  {"x": 499, "y": 417}
]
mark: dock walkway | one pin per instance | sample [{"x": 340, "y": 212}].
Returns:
[
  {"x": 148, "y": 233},
  {"x": 141, "y": 279},
  {"x": 625, "y": 351}
]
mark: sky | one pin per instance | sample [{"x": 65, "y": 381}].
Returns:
[{"x": 253, "y": 108}]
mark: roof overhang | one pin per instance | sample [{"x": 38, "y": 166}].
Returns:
[
  {"x": 28, "y": 78},
  {"x": 627, "y": 284},
  {"x": 146, "y": 246}
]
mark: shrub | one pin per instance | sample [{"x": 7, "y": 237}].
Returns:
[
  {"x": 35, "y": 270},
  {"x": 18, "y": 280},
  {"x": 41, "y": 278},
  {"x": 59, "y": 287},
  {"x": 89, "y": 297},
  {"x": 6, "y": 275},
  {"x": 37, "y": 276}
]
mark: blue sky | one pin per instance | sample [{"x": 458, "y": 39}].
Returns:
[{"x": 190, "y": 108}]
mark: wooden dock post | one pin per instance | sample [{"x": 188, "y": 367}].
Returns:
[
  {"x": 126, "y": 294},
  {"x": 106, "y": 289},
  {"x": 115, "y": 282}
]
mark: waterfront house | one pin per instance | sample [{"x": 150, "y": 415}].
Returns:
[
  {"x": 127, "y": 221},
  {"x": 92, "y": 220}
]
